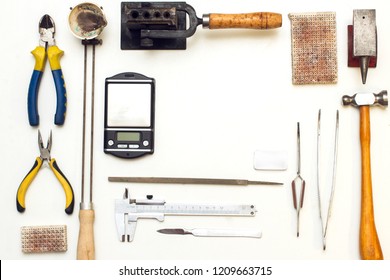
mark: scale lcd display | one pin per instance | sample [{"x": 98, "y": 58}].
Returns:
[
  {"x": 128, "y": 136},
  {"x": 129, "y": 105}
]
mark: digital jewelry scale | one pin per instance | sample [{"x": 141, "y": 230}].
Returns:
[{"x": 129, "y": 115}]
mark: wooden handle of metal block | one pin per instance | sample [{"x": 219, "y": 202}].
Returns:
[
  {"x": 86, "y": 243},
  {"x": 370, "y": 248},
  {"x": 264, "y": 20}
]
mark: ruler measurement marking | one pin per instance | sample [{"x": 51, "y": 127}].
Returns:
[{"x": 183, "y": 209}]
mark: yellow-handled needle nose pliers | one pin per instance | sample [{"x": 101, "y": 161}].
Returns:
[
  {"x": 46, "y": 49},
  {"x": 45, "y": 156}
]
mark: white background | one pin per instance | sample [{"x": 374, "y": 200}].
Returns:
[{"x": 227, "y": 95}]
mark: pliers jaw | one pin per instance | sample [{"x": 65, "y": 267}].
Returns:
[
  {"x": 46, "y": 31},
  {"x": 45, "y": 156},
  {"x": 45, "y": 151}
]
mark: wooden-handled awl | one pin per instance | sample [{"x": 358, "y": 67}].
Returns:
[{"x": 370, "y": 248}]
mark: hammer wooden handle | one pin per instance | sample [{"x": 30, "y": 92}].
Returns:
[
  {"x": 264, "y": 20},
  {"x": 370, "y": 248},
  {"x": 86, "y": 243}
]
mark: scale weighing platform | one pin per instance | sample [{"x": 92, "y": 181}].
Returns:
[{"x": 129, "y": 115}]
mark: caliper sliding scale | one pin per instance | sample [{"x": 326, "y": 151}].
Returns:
[{"x": 128, "y": 211}]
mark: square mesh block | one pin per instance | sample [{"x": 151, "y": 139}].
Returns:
[
  {"x": 40, "y": 239},
  {"x": 314, "y": 48}
]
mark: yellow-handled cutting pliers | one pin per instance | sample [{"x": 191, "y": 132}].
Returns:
[
  {"x": 47, "y": 49},
  {"x": 45, "y": 155}
]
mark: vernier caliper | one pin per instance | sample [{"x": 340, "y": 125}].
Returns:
[{"x": 128, "y": 211}]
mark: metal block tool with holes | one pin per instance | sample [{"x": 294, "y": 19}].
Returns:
[
  {"x": 163, "y": 25},
  {"x": 128, "y": 211},
  {"x": 370, "y": 248}
]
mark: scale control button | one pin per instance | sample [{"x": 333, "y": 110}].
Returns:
[
  {"x": 145, "y": 143},
  {"x": 122, "y": 146},
  {"x": 133, "y": 146},
  {"x": 110, "y": 142}
]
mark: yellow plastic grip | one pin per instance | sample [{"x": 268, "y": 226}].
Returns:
[
  {"x": 21, "y": 194},
  {"x": 69, "y": 195},
  {"x": 54, "y": 54},
  {"x": 39, "y": 54}
]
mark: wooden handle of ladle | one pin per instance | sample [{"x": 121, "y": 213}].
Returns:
[
  {"x": 261, "y": 20},
  {"x": 86, "y": 243},
  {"x": 370, "y": 248}
]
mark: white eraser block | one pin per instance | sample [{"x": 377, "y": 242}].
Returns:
[{"x": 270, "y": 160}]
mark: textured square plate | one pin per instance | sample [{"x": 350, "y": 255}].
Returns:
[
  {"x": 314, "y": 48},
  {"x": 41, "y": 239}
]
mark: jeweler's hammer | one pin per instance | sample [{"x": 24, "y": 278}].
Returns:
[{"x": 370, "y": 248}]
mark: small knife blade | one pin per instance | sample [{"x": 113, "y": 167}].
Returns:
[{"x": 210, "y": 232}]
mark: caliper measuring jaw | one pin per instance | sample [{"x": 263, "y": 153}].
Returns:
[
  {"x": 127, "y": 214},
  {"x": 128, "y": 211}
]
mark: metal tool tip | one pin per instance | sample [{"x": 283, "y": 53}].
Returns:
[
  {"x": 173, "y": 231},
  {"x": 364, "y": 63},
  {"x": 267, "y": 183},
  {"x": 46, "y": 22},
  {"x": 126, "y": 194}
]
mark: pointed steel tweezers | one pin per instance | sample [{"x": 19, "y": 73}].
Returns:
[{"x": 325, "y": 228}]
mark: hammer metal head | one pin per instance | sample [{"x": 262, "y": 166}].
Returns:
[{"x": 366, "y": 99}]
